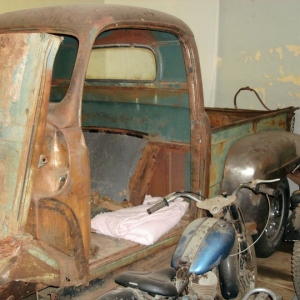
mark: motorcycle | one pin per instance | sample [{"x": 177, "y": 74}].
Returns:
[{"x": 214, "y": 258}]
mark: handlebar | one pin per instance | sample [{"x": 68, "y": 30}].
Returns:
[
  {"x": 157, "y": 206},
  {"x": 257, "y": 187},
  {"x": 266, "y": 190},
  {"x": 171, "y": 197},
  {"x": 215, "y": 204}
]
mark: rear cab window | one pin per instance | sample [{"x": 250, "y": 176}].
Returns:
[{"x": 122, "y": 63}]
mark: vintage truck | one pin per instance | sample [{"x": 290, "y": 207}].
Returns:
[{"x": 106, "y": 102}]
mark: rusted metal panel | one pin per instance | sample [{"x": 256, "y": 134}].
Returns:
[
  {"x": 161, "y": 112},
  {"x": 143, "y": 176},
  {"x": 89, "y": 18},
  {"x": 66, "y": 206},
  {"x": 25, "y": 59},
  {"x": 117, "y": 160},
  {"x": 17, "y": 289},
  {"x": 226, "y": 117},
  {"x": 172, "y": 170},
  {"x": 10, "y": 245},
  {"x": 57, "y": 20}
]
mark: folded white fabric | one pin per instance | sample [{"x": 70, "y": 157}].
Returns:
[{"x": 137, "y": 225}]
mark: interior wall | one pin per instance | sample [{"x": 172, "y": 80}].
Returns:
[{"x": 259, "y": 46}]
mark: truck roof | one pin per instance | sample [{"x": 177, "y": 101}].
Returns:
[{"x": 78, "y": 19}]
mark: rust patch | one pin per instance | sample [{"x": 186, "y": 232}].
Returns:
[
  {"x": 2, "y": 174},
  {"x": 17, "y": 289},
  {"x": 125, "y": 36},
  {"x": 143, "y": 175},
  {"x": 10, "y": 92},
  {"x": 10, "y": 244},
  {"x": 170, "y": 172},
  {"x": 106, "y": 202}
]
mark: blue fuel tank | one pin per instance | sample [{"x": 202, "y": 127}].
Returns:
[{"x": 203, "y": 244}]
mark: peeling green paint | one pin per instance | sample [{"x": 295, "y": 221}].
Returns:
[{"x": 43, "y": 256}]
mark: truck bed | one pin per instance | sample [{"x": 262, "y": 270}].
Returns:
[
  {"x": 230, "y": 125},
  {"x": 226, "y": 117}
]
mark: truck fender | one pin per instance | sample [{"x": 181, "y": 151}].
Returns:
[{"x": 264, "y": 155}]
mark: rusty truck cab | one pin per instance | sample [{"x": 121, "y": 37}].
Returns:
[{"x": 102, "y": 134}]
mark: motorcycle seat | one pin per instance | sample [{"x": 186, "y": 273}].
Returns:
[{"x": 157, "y": 282}]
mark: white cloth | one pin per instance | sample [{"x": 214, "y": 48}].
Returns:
[{"x": 135, "y": 224}]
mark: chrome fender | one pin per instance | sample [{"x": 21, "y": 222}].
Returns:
[
  {"x": 203, "y": 245},
  {"x": 264, "y": 155}
]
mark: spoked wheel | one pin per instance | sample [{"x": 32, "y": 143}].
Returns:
[
  {"x": 246, "y": 270},
  {"x": 296, "y": 267},
  {"x": 271, "y": 238}
]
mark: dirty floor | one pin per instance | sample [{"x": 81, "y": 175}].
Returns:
[{"x": 274, "y": 272}]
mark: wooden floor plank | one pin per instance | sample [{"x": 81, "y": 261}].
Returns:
[{"x": 275, "y": 274}]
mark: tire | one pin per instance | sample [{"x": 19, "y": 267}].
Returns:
[
  {"x": 272, "y": 233},
  {"x": 296, "y": 267},
  {"x": 246, "y": 270}
]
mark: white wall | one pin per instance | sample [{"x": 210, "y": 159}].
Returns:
[{"x": 259, "y": 46}]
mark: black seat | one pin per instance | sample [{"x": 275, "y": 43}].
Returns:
[{"x": 155, "y": 283}]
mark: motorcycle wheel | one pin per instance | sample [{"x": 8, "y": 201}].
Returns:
[
  {"x": 246, "y": 269},
  {"x": 296, "y": 267},
  {"x": 271, "y": 238}
]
